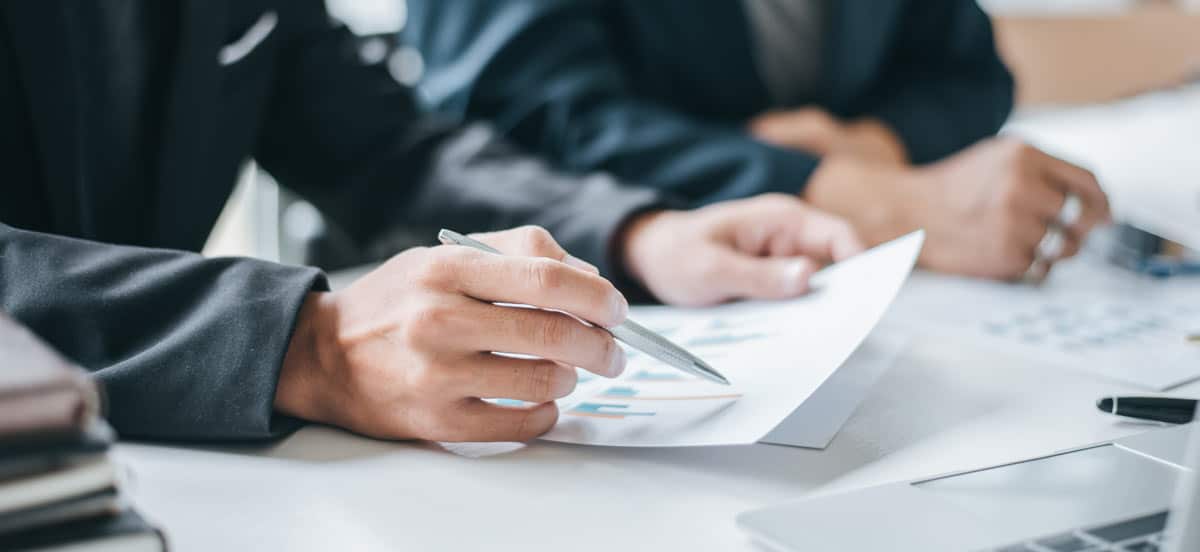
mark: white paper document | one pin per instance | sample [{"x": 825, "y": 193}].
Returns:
[
  {"x": 818, "y": 419},
  {"x": 1089, "y": 317},
  {"x": 775, "y": 354}
]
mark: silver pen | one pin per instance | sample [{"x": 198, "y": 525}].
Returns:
[{"x": 631, "y": 333}]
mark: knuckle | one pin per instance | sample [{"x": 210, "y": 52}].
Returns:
[
  {"x": 437, "y": 316},
  {"x": 427, "y": 323},
  {"x": 439, "y": 270},
  {"x": 547, "y": 274},
  {"x": 554, "y": 331},
  {"x": 538, "y": 241},
  {"x": 525, "y": 430},
  {"x": 410, "y": 255},
  {"x": 539, "y": 381},
  {"x": 427, "y": 376}
]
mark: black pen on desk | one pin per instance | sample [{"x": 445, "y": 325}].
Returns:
[{"x": 1155, "y": 409}]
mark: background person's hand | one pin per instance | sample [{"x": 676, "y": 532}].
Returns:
[
  {"x": 817, "y": 132},
  {"x": 405, "y": 352},
  {"x": 985, "y": 210},
  {"x": 764, "y": 247}
]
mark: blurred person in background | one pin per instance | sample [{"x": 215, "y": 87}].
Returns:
[
  {"x": 124, "y": 124},
  {"x": 881, "y": 111}
]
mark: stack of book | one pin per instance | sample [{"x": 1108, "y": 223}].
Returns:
[{"x": 58, "y": 486}]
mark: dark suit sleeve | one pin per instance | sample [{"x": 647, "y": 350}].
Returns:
[
  {"x": 349, "y": 138},
  {"x": 185, "y": 347},
  {"x": 544, "y": 71},
  {"x": 944, "y": 86}
]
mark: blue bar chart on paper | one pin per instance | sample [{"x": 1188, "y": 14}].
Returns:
[{"x": 606, "y": 410}]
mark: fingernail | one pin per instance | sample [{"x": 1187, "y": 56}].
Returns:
[
  {"x": 617, "y": 365},
  {"x": 581, "y": 264},
  {"x": 620, "y": 307},
  {"x": 795, "y": 277}
]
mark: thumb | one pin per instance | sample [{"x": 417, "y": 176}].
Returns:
[{"x": 740, "y": 276}]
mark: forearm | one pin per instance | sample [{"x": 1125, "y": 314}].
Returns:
[
  {"x": 945, "y": 87},
  {"x": 937, "y": 118},
  {"x": 577, "y": 104},
  {"x": 186, "y": 348}
]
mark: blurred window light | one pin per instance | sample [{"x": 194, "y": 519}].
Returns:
[{"x": 369, "y": 17}]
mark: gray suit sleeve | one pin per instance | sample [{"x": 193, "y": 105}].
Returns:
[
  {"x": 185, "y": 347},
  {"x": 478, "y": 182}
]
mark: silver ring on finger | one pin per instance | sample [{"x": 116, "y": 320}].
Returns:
[{"x": 1048, "y": 250}]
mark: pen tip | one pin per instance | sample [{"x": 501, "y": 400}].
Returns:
[
  {"x": 1105, "y": 404},
  {"x": 713, "y": 375}
]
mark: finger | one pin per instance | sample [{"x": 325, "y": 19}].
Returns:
[
  {"x": 542, "y": 283},
  {"x": 547, "y": 335},
  {"x": 476, "y": 420},
  {"x": 1081, "y": 182},
  {"x": 494, "y": 376},
  {"x": 1072, "y": 243},
  {"x": 532, "y": 241},
  {"x": 738, "y": 276},
  {"x": 827, "y": 237},
  {"x": 791, "y": 228},
  {"x": 1043, "y": 199},
  {"x": 1030, "y": 231}
]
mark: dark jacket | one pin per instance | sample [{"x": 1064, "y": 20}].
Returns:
[
  {"x": 189, "y": 347},
  {"x": 658, "y": 91}
]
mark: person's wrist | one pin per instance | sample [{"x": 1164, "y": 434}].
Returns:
[
  {"x": 922, "y": 193},
  {"x": 299, "y": 391},
  {"x": 632, "y": 240},
  {"x": 875, "y": 198}
]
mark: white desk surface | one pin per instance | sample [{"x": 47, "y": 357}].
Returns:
[{"x": 943, "y": 407}]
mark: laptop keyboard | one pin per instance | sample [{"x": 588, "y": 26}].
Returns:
[{"x": 1141, "y": 534}]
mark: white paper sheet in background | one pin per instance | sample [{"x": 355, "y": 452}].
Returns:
[
  {"x": 1144, "y": 150},
  {"x": 776, "y": 354},
  {"x": 1089, "y": 316}
]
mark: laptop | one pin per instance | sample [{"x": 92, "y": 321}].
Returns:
[{"x": 1137, "y": 494}]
